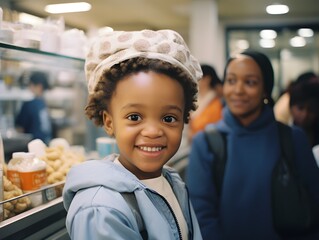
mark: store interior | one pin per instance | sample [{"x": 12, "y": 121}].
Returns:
[{"x": 33, "y": 38}]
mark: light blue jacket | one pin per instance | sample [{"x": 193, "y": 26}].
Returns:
[{"x": 97, "y": 210}]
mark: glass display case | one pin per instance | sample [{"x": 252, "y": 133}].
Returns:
[{"x": 65, "y": 99}]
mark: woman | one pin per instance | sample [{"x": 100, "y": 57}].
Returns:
[{"x": 243, "y": 208}]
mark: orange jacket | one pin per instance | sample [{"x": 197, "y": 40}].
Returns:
[{"x": 211, "y": 114}]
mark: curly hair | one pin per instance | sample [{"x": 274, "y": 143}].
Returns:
[{"x": 99, "y": 100}]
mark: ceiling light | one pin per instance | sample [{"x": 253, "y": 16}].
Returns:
[
  {"x": 277, "y": 9},
  {"x": 267, "y": 43},
  {"x": 68, "y": 7},
  {"x": 297, "y": 41},
  {"x": 305, "y": 32},
  {"x": 30, "y": 19},
  {"x": 268, "y": 34},
  {"x": 242, "y": 44}
]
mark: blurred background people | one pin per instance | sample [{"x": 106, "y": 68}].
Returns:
[
  {"x": 33, "y": 117},
  {"x": 281, "y": 108},
  {"x": 304, "y": 108},
  {"x": 209, "y": 101},
  {"x": 242, "y": 209}
]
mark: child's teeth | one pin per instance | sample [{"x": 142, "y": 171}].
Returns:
[{"x": 151, "y": 149}]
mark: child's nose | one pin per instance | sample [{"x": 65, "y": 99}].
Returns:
[{"x": 152, "y": 130}]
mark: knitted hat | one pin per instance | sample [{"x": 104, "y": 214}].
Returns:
[
  {"x": 118, "y": 46},
  {"x": 266, "y": 69}
]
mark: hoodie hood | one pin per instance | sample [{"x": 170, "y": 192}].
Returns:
[
  {"x": 94, "y": 173},
  {"x": 231, "y": 125}
]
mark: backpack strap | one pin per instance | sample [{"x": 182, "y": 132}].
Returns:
[
  {"x": 286, "y": 144},
  {"x": 217, "y": 145},
  {"x": 131, "y": 201}
]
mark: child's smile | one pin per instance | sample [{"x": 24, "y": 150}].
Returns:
[{"x": 146, "y": 117}]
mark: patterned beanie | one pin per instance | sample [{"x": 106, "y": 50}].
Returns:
[{"x": 118, "y": 46}]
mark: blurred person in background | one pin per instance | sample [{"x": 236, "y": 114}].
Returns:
[
  {"x": 209, "y": 101},
  {"x": 33, "y": 117},
  {"x": 241, "y": 207},
  {"x": 281, "y": 108},
  {"x": 304, "y": 108}
]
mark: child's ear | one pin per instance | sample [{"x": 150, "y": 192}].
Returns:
[{"x": 108, "y": 123}]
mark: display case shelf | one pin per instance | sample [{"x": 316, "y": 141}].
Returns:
[
  {"x": 16, "y": 53},
  {"x": 46, "y": 221}
]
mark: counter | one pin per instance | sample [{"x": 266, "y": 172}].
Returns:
[
  {"x": 43, "y": 222},
  {"x": 46, "y": 221}
]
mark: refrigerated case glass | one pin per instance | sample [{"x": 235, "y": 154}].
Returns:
[{"x": 66, "y": 98}]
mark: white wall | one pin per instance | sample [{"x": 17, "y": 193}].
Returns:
[{"x": 207, "y": 37}]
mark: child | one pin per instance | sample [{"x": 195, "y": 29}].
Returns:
[{"x": 142, "y": 86}]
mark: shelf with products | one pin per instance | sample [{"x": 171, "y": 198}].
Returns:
[
  {"x": 32, "y": 198},
  {"x": 46, "y": 221}
]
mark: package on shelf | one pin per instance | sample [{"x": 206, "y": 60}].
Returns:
[
  {"x": 17, "y": 206},
  {"x": 59, "y": 161},
  {"x": 28, "y": 172},
  {"x": 59, "y": 157}
]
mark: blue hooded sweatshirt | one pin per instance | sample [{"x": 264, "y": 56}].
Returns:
[
  {"x": 243, "y": 211},
  {"x": 97, "y": 210}
]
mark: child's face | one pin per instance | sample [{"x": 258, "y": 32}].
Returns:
[{"x": 146, "y": 117}]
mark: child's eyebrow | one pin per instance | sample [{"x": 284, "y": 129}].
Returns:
[
  {"x": 174, "y": 107},
  {"x": 137, "y": 105},
  {"x": 131, "y": 105}
]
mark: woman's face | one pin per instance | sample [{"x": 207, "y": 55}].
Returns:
[
  {"x": 244, "y": 89},
  {"x": 146, "y": 117}
]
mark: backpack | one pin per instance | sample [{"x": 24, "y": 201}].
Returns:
[{"x": 295, "y": 212}]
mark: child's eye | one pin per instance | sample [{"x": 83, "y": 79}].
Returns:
[
  {"x": 169, "y": 119},
  {"x": 134, "y": 117}
]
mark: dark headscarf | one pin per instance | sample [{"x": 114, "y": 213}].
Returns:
[{"x": 266, "y": 69}]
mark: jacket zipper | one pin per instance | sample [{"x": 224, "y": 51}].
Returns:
[
  {"x": 190, "y": 214},
  {"x": 174, "y": 216}
]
